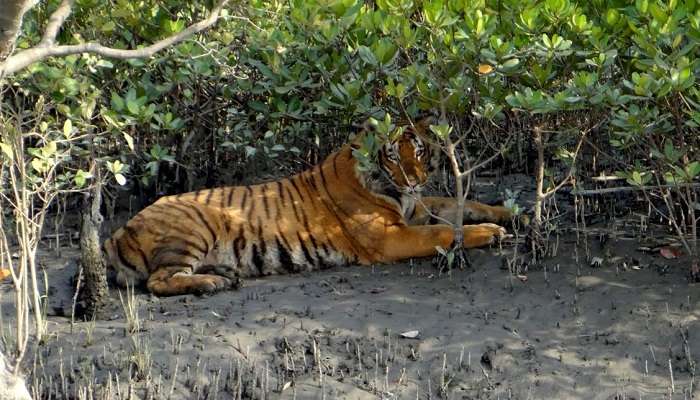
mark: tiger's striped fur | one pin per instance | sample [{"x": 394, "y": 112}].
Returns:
[{"x": 330, "y": 215}]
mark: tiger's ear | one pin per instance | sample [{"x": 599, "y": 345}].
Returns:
[
  {"x": 361, "y": 131},
  {"x": 368, "y": 126},
  {"x": 423, "y": 125}
]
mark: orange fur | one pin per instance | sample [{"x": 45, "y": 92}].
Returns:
[{"x": 330, "y": 215}]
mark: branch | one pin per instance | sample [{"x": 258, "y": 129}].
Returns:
[
  {"x": 590, "y": 192},
  {"x": 570, "y": 175},
  {"x": 56, "y": 22},
  {"x": 27, "y": 57}
]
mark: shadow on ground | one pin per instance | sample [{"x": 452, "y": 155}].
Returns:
[{"x": 567, "y": 331}]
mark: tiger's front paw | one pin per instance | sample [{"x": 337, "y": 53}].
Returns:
[
  {"x": 495, "y": 231},
  {"x": 482, "y": 234}
]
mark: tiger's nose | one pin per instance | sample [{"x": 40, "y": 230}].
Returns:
[{"x": 412, "y": 181}]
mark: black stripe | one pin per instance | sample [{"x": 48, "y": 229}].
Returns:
[
  {"x": 257, "y": 259},
  {"x": 284, "y": 240},
  {"x": 261, "y": 240},
  {"x": 310, "y": 180},
  {"x": 314, "y": 244},
  {"x": 251, "y": 210},
  {"x": 294, "y": 184},
  {"x": 209, "y": 196},
  {"x": 160, "y": 250},
  {"x": 238, "y": 244},
  {"x": 229, "y": 200},
  {"x": 294, "y": 204},
  {"x": 325, "y": 258},
  {"x": 323, "y": 179},
  {"x": 137, "y": 246},
  {"x": 169, "y": 240},
  {"x": 280, "y": 194},
  {"x": 324, "y": 248},
  {"x": 183, "y": 208},
  {"x": 312, "y": 196},
  {"x": 248, "y": 191},
  {"x": 266, "y": 204},
  {"x": 309, "y": 259},
  {"x": 332, "y": 246},
  {"x": 285, "y": 257},
  {"x": 375, "y": 201},
  {"x": 305, "y": 221},
  {"x": 334, "y": 210},
  {"x": 335, "y": 165},
  {"x": 181, "y": 228},
  {"x": 197, "y": 194},
  {"x": 205, "y": 222},
  {"x": 176, "y": 264},
  {"x": 121, "y": 257}
]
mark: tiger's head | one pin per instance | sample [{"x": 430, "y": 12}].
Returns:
[{"x": 405, "y": 162}]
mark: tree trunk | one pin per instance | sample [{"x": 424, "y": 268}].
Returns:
[
  {"x": 95, "y": 290},
  {"x": 10, "y": 24},
  {"x": 536, "y": 231}
]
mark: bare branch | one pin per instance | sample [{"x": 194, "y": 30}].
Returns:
[
  {"x": 488, "y": 160},
  {"x": 570, "y": 175},
  {"x": 27, "y": 57},
  {"x": 56, "y": 22},
  {"x": 591, "y": 192}
]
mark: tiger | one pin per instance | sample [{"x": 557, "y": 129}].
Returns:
[{"x": 333, "y": 214}]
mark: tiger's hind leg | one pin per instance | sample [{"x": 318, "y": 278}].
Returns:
[
  {"x": 180, "y": 279},
  {"x": 226, "y": 271}
]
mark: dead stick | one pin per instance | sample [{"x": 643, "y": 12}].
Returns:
[{"x": 589, "y": 192}]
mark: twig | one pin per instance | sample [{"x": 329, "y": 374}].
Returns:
[
  {"x": 55, "y": 22},
  {"x": 590, "y": 192}
]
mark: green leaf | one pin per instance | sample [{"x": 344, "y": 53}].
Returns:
[
  {"x": 129, "y": 140},
  {"x": 117, "y": 102},
  {"x": 250, "y": 151},
  {"x": 513, "y": 62},
  {"x": 693, "y": 169},
  {"x": 121, "y": 180},
  {"x": 366, "y": 55},
  {"x": 39, "y": 165},
  {"x": 67, "y": 128},
  {"x": 636, "y": 178},
  {"x": 670, "y": 152},
  {"x": 132, "y": 106},
  {"x": 442, "y": 131},
  {"x": 258, "y": 106},
  {"x": 7, "y": 151},
  {"x": 115, "y": 167},
  {"x": 612, "y": 16},
  {"x": 642, "y": 6},
  {"x": 81, "y": 178},
  {"x": 108, "y": 27},
  {"x": 105, "y": 64},
  {"x": 49, "y": 149}
]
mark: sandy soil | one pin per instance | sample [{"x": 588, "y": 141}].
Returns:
[
  {"x": 625, "y": 329},
  {"x": 568, "y": 331}
]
